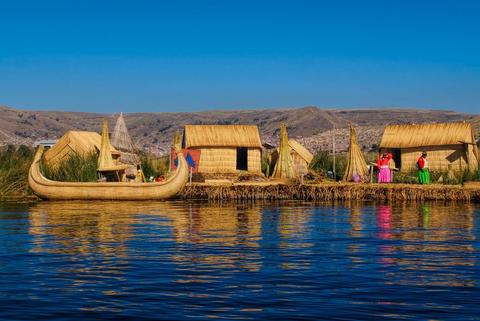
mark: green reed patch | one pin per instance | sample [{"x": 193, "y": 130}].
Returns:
[
  {"x": 75, "y": 168},
  {"x": 153, "y": 166},
  {"x": 322, "y": 163},
  {"x": 14, "y": 165}
]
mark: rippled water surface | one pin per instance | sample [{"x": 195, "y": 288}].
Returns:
[{"x": 181, "y": 261}]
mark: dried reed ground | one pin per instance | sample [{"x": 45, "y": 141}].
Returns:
[{"x": 332, "y": 191}]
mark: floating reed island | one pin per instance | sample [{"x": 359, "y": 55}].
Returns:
[
  {"x": 230, "y": 162},
  {"x": 330, "y": 191},
  {"x": 453, "y": 145}
]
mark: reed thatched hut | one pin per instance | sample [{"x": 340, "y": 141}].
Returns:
[
  {"x": 225, "y": 148},
  {"x": 75, "y": 142},
  {"x": 300, "y": 155},
  {"x": 446, "y": 144}
]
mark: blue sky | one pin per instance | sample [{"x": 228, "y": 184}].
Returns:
[{"x": 112, "y": 56}]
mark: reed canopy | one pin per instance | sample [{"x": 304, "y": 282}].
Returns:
[
  {"x": 225, "y": 148},
  {"x": 356, "y": 169},
  {"x": 284, "y": 168},
  {"x": 122, "y": 141},
  {"x": 81, "y": 143},
  {"x": 105, "y": 159},
  {"x": 446, "y": 144}
]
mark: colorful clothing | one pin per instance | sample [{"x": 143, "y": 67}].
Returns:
[
  {"x": 139, "y": 178},
  {"x": 384, "y": 171},
  {"x": 423, "y": 172}
]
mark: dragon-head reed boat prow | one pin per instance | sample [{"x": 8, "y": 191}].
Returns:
[{"x": 55, "y": 190}]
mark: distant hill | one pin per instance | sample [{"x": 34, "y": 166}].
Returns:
[{"x": 154, "y": 131}]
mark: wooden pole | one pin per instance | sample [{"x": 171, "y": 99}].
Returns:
[
  {"x": 191, "y": 173},
  {"x": 334, "y": 155}
]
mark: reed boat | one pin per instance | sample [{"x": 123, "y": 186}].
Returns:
[{"x": 55, "y": 190}]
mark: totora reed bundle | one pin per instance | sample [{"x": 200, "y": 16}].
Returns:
[
  {"x": 356, "y": 165},
  {"x": 284, "y": 167}
]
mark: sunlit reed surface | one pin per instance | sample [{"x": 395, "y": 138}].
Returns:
[{"x": 282, "y": 261}]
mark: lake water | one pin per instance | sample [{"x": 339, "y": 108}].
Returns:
[{"x": 282, "y": 261}]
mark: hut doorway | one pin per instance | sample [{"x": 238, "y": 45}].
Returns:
[
  {"x": 242, "y": 158},
  {"x": 397, "y": 157}
]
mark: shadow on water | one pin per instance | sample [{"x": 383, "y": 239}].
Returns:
[{"x": 181, "y": 260}]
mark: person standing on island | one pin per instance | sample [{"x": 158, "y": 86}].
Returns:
[
  {"x": 139, "y": 177},
  {"x": 384, "y": 171},
  {"x": 423, "y": 172}
]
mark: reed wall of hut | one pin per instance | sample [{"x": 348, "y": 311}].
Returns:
[
  {"x": 225, "y": 148},
  {"x": 445, "y": 143}
]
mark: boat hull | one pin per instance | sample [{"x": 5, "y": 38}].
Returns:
[{"x": 54, "y": 190}]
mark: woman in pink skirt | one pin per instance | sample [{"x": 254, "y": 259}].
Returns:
[{"x": 384, "y": 172}]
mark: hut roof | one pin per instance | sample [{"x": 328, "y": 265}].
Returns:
[
  {"x": 120, "y": 138},
  {"x": 80, "y": 142},
  {"x": 405, "y": 136},
  {"x": 221, "y": 136},
  {"x": 300, "y": 150}
]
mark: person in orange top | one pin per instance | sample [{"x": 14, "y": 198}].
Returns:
[{"x": 384, "y": 172}]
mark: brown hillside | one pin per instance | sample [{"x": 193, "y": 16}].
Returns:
[{"x": 154, "y": 131}]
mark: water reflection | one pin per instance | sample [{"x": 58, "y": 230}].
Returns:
[
  {"x": 206, "y": 235},
  {"x": 81, "y": 228},
  {"x": 414, "y": 238},
  {"x": 234, "y": 229},
  {"x": 356, "y": 220},
  {"x": 384, "y": 224},
  {"x": 296, "y": 233},
  {"x": 430, "y": 243},
  {"x": 236, "y": 261}
]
